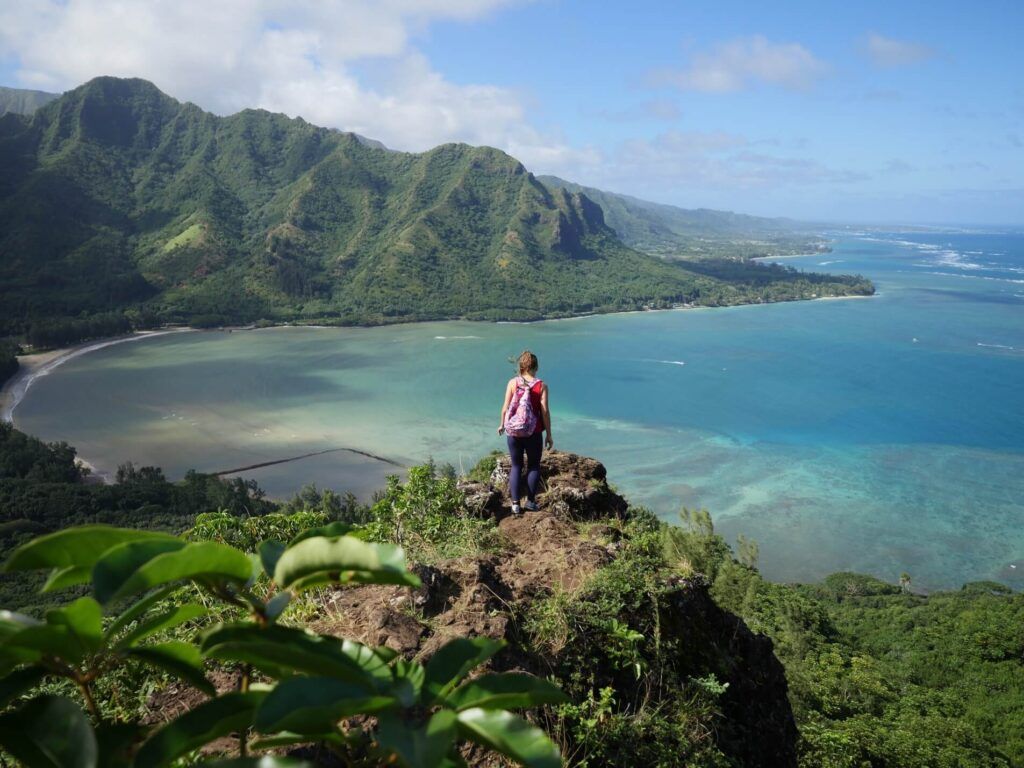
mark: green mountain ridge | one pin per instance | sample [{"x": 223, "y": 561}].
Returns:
[
  {"x": 700, "y": 233},
  {"x": 23, "y": 101},
  {"x": 123, "y": 204}
]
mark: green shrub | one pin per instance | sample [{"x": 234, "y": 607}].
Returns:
[
  {"x": 291, "y": 686},
  {"x": 483, "y": 469},
  {"x": 427, "y": 515}
]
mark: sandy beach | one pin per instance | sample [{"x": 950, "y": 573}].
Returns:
[{"x": 31, "y": 367}]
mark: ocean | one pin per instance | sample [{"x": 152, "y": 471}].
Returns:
[{"x": 881, "y": 435}]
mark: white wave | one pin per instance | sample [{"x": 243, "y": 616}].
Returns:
[
  {"x": 978, "y": 277},
  {"x": 836, "y": 261},
  {"x": 456, "y": 337},
  {"x": 955, "y": 260},
  {"x": 997, "y": 346},
  {"x": 666, "y": 362}
]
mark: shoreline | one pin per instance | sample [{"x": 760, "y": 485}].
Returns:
[
  {"x": 788, "y": 256},
  {"x": 33, "y": 366}
]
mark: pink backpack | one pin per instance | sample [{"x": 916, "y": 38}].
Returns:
[{"x": 521, "y": 419}]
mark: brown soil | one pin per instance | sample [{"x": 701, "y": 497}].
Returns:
[{"x": 471, "y": 597}]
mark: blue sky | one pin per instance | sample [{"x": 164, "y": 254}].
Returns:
[{"x": 874, "y": 112}]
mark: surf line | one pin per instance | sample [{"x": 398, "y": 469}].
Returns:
[{"x": 262, "y": 464}]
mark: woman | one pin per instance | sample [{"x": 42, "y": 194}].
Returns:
[{"x": 536, "y": 391}]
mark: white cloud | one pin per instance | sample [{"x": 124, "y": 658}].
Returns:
[
  {"x": 745, "y": 62},
  {"x": 310, "y": 58},
  {"x": 652, "y": 109},
  {"x": 699, "y": 165},
  {"x": 292, "y": 56},
  {"x": 889, "y": 52}
]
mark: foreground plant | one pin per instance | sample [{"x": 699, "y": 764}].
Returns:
[{"x": 293, "y": 686}]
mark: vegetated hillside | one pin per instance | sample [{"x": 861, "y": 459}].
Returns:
[
  {"x": 667, "y": 643},
  {"x": 702, "y": 233},
  {"x": 8, "y": 361},
  {"x": 23, "y": 101},
  {"x": 116, "y": 198}
]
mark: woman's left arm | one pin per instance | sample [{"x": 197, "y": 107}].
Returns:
[
  {"x": 548, "y": 440},
  {"x": 504, "y": 406}
]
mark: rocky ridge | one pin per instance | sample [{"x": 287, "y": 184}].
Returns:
[{"x": 556, "y": 549}]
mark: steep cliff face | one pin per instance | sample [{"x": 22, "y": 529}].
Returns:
[{"x": 680, "y": 638}]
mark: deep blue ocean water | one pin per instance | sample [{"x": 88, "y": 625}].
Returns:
[{"x": 881, "y": 435}]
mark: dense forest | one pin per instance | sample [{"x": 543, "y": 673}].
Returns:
[
  {"x": 8, "y": 360},
  {"x": 43, "y": 489},
  {"x": 123, "y": 208},
  {"x": 875, "y": 674}
]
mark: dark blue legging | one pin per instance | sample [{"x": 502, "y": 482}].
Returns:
[{"x": 532, "y": 445}]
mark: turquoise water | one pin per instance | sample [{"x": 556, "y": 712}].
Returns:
[{"x": 879, "y": 435}]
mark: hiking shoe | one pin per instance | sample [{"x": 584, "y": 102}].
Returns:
[
  {"x": 516, "y": 510},
  {"x": 531, "y": 506}
]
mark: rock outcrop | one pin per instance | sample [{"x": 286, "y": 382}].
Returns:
[{"x": 548, "y": 551}]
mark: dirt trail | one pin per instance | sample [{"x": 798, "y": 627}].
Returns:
[{"x": 547, "y": 551}]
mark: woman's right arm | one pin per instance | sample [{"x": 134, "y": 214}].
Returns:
[{"x": 504, "y": 406}]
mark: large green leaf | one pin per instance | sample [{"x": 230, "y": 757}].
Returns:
[
  {"x": 13, "y": 657},
  {"x": 137, "y": 609},
  {"x": 276, "y": 605},
  {"x": 11, "y": 623},
  {"x": 278, "y": 649},
  {"x": 330, "y": 530},
  {"x": 510, "y": 690},
  {"x": 83, "y": 620},
  {"x": 161, "y": 621},
  {"x": 17, "y": 682},
  {"x": 375, "y": 661},
  {"x": 510, "y": 735},
  {"x": 408, "y": 681},
  {"x": 69, "y": 633},
  {"x": 344, "y": 559},
  {"x": 418, "y": 746},
  {"x": 116, "y": 742},
  {"x": 266, "y": 761},
  {"x": 49, "y": 732},
  {"x": 179, "y": 658},
  {"x": 270, "y": 553},
  {"x": 61, "y": 578},
  {"x": 137, "y": 566},
  {"x": 453, "y": 661},
  {"x": 80, "y": 546},
  {"x": 32, "y": 643},
  {"x": 120, "y": 562},
  {"x": 11, "y": 653},
  {"x": 199, "y": 726},
  {"x": 289, "y": 739},
  {"x": 312, "y": 705}
]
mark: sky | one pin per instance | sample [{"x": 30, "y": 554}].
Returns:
[{"x": 873, "y": 112}]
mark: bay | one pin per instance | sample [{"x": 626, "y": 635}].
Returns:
[{"x": 880, "y": 435}]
